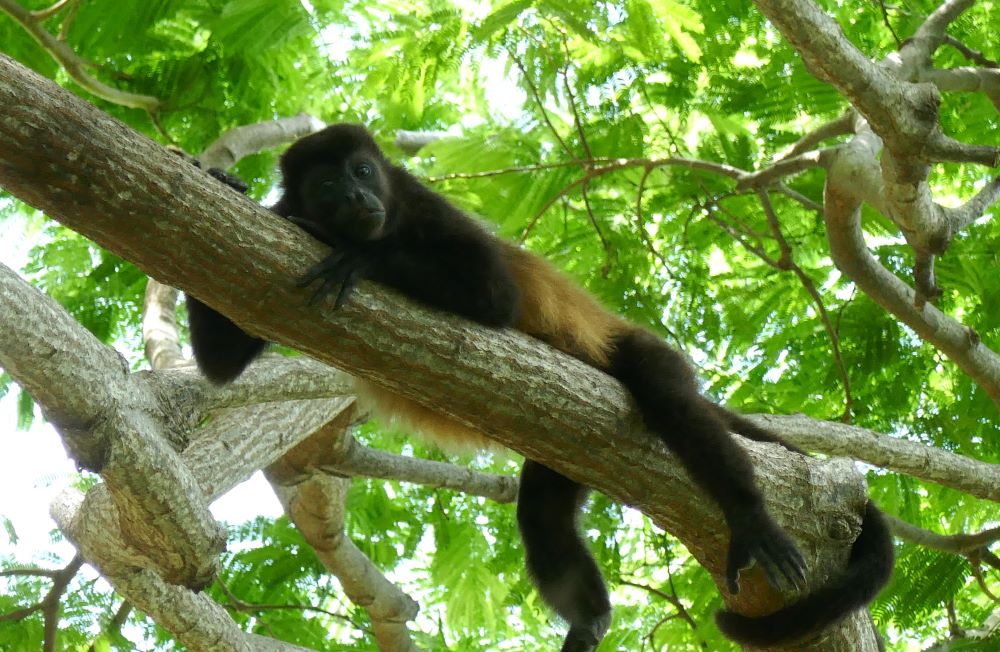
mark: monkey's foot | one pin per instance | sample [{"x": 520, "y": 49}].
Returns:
[{"x": 756, "y": 537}]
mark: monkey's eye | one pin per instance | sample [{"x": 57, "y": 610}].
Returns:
[{"x": 363, "y": 170}]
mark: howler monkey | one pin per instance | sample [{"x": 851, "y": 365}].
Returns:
[{"x": 383, "y": 225}]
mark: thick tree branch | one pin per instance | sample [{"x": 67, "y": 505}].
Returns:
[
  {"x": 272, "y": 378},
  {"x": 903, "y": 114},
  {"x": 227, "y": 452},
  {"x": 159, "y": 321},
  {"x": 199, "y": 623},
  {"x": 104, "y": 416},
  {"x": 848, "y": 183}
]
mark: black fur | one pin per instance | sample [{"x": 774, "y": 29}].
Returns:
[
  {"x": 557, "y": 556},
  {"x": 383, "y": 225},
  {"x": 221, "y": 348},
  {"x": 664, "y": 388},
  {"x": 426, "y": 248}
]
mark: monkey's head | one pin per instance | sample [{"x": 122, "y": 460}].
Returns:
[{"x": 337, "y": 185}]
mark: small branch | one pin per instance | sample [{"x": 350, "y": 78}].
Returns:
[
  {"x": 810, "y": 287},
  {"x": 976, "y": 207},
  {"x": 44, "y": 14},
  {"x": 944, "y": 148},
  {"x": 787, "y": 167},
  {"x": 971, "y": 476},
  {"x": 114, "y": 625},
  {"x": 972, "y": 55},
  {"x": 924, "y": 283},
  {"x": 316, "y": 503},
  {"x": 798, "y": 197},
  {"x": 239, "y": 605},
  {"x": 239, "y": 142},
  {"x": 29, "y": 572},
  {"x": 159, "y": 326},
  {"x": 974, "y": 547},
  {"x": 957, "y": 544},
  {"x": 20, "y": 614},
  {"x": 51, "y": 603},
  {"x": 838, "y": 127},
  {"x": 411, "y": 142},
  {"x": 363, "y": 461},
  {"x": 75, "y": 65},
  {"x": 966, "y": 80}
]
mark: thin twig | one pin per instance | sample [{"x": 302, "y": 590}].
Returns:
[
  {"x": 888, "y": 25},
  {"x": 50, "y": 11},
  {"x": 972, "y": 55},
  {"x": 675, "y": 601},
  {"x": 237, "y": 604},
  {"x": 810, "y": 287},
  {"x": 608, "y": 254},
  {"x": 538, "y": 100}
]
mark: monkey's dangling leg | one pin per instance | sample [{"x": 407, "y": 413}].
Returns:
[{"x": 557, "y": 556}]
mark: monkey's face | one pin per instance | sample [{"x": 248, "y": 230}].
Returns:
[{"x": 345, "y": 199}]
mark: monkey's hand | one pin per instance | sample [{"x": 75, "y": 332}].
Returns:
[
  {"x": 231, "y": 180},
  {"x": 342, "y": 268},
  {"x": 756, "y": 537}
]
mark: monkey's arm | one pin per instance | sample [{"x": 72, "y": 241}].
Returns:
[
  {"x": 458, "y": 271},
  {"x": 221, "y": 348}
]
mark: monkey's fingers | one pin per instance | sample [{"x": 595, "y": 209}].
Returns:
[
  {"x": 347, "y": 288},
  {"x": 230, "y": 180},
  {"x": 324, "y": 289},
  {"x": 782, "y": 563},
  {"x": 320, "y": 269},
  {"x": 769, "y": 566},
  {"x": 786, "y": 558}
]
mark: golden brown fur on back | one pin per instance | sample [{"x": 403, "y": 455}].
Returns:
[
  {"x": 557, "y": 311},
  {"x": 553, "y": 309}
]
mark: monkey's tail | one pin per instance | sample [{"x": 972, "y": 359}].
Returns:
[{"x": 868, "y": 570}]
